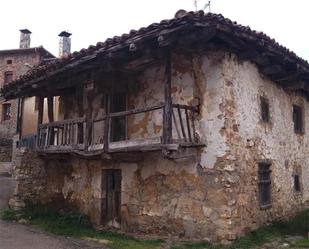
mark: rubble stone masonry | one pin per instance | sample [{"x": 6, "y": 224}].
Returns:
[{"x": 211, "y": 194}]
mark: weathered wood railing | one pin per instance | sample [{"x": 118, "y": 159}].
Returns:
[
  {"x": 28, "y": 141},
  {"x": 61, "y": 133},
  {"x": 184, "y": 123},
  {"x": 96, "y": 133}
]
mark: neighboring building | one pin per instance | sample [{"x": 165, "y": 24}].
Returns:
[
  {"x": 13, "y": 64},
  {"x": 194, "y": 126}
]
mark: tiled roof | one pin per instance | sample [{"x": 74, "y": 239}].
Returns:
[
  {"x": 39, "y": 49},
  {"x": 155, "y": 29}
]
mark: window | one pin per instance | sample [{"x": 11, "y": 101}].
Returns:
[
  {"x": 298, "y": 119},
  {"x": 264, "y": 183},
  {"x": 297, "y": 187},
  {"x": 9, "y": 62},
  {"x": 6, "y": 112},
  {"x": 264, "y": 110},
  {"x": 118, "y": 103},
  {"x": 8, "y": 77}
]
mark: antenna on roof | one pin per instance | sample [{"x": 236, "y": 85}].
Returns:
[{"x": 206, "y": 5}]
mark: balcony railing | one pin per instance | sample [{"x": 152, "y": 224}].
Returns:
[{"x": 80, "y": 135}]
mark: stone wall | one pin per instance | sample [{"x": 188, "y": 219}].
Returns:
[
  {"x": 251, "y": 141},
  {"x": 35, "y": 179},
  {"x": 18, "y": 67},
  {"x": 213, "y": 193}
]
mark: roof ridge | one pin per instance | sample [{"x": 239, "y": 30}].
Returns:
[{"x": 217, "y": 19}]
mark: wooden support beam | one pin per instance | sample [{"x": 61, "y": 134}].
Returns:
[
  {"x": 107, "y": 124},
  {"x": 40, "y": 120},
  {"x": 50, "y": 108},
  {"x": 167, "y": 111},
  {"x": 272, "y": 69}
]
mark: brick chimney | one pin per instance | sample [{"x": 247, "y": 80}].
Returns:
[
  {"x": 64, "y": 44},
  {"x": 24, "y": 38}
]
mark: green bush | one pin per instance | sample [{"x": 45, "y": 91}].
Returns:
[{"x": 8, "y": 214}]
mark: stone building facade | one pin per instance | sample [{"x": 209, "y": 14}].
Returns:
[
  {"x": 219, "y": 150},
  {"x": 13, "y": 64}
]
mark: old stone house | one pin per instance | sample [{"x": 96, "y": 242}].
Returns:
[
  {"x": 195, "y": 126},
  {"x": 14, "y": 63}
]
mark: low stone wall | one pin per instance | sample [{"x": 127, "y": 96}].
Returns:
[
  {"x": 35, "y": 180},
  {"x": 5, "y": 150}
]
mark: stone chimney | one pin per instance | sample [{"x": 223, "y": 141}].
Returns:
[
  {"x": 64, "y": 44},
  {"x": 24, "y": 38}
]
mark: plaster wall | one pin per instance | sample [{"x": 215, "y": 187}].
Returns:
[
  {"x": 251, "y": 140},
  {"x": 213, "y": 193}
]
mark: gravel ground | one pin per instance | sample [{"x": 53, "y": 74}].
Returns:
[{"x": 18, "y": 236}]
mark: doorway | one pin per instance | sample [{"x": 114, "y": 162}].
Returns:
[{"x": 111, "y": 197}]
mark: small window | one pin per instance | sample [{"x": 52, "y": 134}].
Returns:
[
  {"x": 264, "y": 182},
  {"x": 8, "y": 77},
  {"x": 6, "y": 112},
  {"x": 9, "y": 62},
  {"x": 297, "y": 187},
  {"x": 298, "y": 119},
  {"x": 264, "y": 110}
]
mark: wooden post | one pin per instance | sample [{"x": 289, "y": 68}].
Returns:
[
  {"x": 50, "y": 107},
  {"x": 89, "y": 89},
  {"x": 20, "y": 117},
  {"x": 80, "y": 126},
  {"x": 50, "y": 110},
  {"x": 167, "y": 111},
  {"x": 106, "y": 124},
  {"x": 40, "y": 119}
]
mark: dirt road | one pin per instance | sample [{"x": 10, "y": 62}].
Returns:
[{"x": 17, "y": 236}]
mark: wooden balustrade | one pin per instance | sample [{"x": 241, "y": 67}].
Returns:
[
  {"x": 184, "y": 122},
  {"x": 67, "y": 132},
  {"x": 75, "y": 134}
]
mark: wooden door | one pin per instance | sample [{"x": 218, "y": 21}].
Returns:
[{"x": 112, "y": 201}]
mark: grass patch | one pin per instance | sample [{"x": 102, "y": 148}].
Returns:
[
  {"x": 8, "y": 214},
  {"x": 302, "y": 243}
]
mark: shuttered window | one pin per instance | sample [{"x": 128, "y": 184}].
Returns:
[
  {"x": 6, "y": 112},
  {"x": 297, "y": 187},
  {"x": 264, "y": 182},
  {"x": 264, "y": 110},
  {"x": 298, "y": 119},
  {"x": 8, "y": 77}
]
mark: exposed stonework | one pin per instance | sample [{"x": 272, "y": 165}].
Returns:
[
  {"x": 213, "y": 193},
  {"x": 17, "y": 67}
]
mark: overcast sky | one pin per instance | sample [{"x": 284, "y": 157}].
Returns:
[{"x": 95, "y": 20}]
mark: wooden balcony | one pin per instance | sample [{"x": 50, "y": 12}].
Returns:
[{"x": 94, "y": 137}]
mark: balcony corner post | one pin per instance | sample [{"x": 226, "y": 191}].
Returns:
[
  {"x": 40, "y": 120},
  {"x": 167, "y": 111}
]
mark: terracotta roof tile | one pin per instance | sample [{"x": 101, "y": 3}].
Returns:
[{"x": 191, "y": 17}]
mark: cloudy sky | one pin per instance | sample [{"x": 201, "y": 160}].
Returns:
[{"x": 95, "y": 20}]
